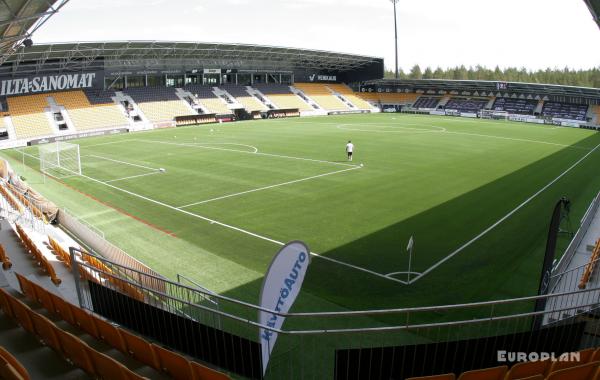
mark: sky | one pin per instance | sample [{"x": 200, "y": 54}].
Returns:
[{"x": 523, "y": 33}]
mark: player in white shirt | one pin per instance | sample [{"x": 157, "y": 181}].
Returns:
[{"x": 349, "y": 150}]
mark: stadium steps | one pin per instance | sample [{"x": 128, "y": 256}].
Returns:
[
  {"x": 570, "y": 281},
  {"x": 10, "y": 129}
]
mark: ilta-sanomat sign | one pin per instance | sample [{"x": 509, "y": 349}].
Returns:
[{"x": 20, "y": 86}]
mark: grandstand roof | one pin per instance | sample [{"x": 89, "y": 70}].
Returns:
[
  {"x": 20, "y": 18},
  {"x": 491, "y": 86},
  {"x": 594, "y": 6},
  {"x": 86, "y": 53}
]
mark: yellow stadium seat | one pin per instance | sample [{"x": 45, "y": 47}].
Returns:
[{"x": 322, "y": 96}]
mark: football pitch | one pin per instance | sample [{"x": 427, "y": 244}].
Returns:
[{"x": 216, "y": 202}]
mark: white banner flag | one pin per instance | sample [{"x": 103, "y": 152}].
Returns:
[{"x": 280, "y": 288}]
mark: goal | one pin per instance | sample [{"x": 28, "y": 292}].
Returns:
[{"x": 60, "y": 159}]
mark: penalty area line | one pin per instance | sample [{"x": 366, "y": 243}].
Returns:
[
  {"x": 505, "y": 217},
  {"x": 268, "y": 187},
  {"x": 238, "y": 229},
  {"x": 122, "y": 162}
]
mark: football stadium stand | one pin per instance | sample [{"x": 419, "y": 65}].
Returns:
[
  {"x": 28, "y": 117},
  {"x": 425, "y": 102},
  {"x": 565, "y": 110},
  {"x": 466, "y": 105},
  {"x": 322, "y": 95},
  {"x": 208, "y": 99},
  {"x": 350, "y": 96},
  {"x": 159, "y": 104},
  {"x": 389, "y": 97},
  {"x": 282, "y": 97},
  {"x": 241, "y": 94},
  {"x": 515, "y": 106},
  {"x": 88, "y": 116}
]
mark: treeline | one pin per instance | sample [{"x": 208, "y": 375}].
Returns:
[{"x": 566, "y": 76}]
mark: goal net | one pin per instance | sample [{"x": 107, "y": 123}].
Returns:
[{"x": 60, "y": 159}]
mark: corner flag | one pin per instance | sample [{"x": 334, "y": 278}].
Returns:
[{"x": 410, "y": 244}]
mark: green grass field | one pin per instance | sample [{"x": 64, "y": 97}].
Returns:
[{"x": 231, "y": 192}]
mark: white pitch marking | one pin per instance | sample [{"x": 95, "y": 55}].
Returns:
[
  {"x": 122, "y": 162},
  {"x": 248, "y": 146},
  {"x": 106, "y": 143},
  {"x": 268, "y": 187},
  {"x": 213, "y": 221},
  {"x": 516, "y": 139},
  {"x": 133, "y": 176},
  {"x": 191, "y": 145},
  {"x": 461, "y": 248}
]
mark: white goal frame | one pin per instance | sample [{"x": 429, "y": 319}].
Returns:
[{"x": 60, "y": 159}]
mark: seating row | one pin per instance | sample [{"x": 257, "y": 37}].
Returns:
[
  {"x": 135, "y": 346},
  {"x": 586, "y": 368},
  {"x": 39, "y": 257}
]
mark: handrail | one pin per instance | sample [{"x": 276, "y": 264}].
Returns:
[{"x": 348, "y": 313}]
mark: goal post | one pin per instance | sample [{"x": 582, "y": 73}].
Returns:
[{"x": 60, "y": 159}]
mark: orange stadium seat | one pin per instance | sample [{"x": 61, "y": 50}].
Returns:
[
  {"x": 173, "y": 364},
  {"x": 27, "y": 287},
  {"x": 46, "y": 330},
  {"x": 75, "y": 350},
  {"x": 63, "y": 309},
  {"x": 583, "y": 372},
  {"x": 6, "y": 264},
  {"x": 140, "y": 349},
  {"x": 10, "y": 367},
  {"x": 447, "y": 376},
  {"x": 109, "y": 334},
  {"x": 495, "y": 373},
  {"x": 584, "y": 357},
  {"x": 107, "y": 368},
  {"x": 44, "y": 297},
  {"x": 5, "y": 304},
  {"x": 205, "y": 373},
  {"x": 21, "y": 313},
  {"x": 527, "y": 369},
  {"x": 84, "y": 321}
]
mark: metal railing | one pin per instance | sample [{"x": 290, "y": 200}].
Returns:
[{"x": 309, "y": 343}]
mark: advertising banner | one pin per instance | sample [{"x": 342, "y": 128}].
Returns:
[
  {"x": 49, "y": 83},
  {"x": 280, "y": 288}
]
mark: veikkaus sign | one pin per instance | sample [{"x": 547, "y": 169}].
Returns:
[
  {"x": 322, "y": 78},
  {"x": 280, "y": 288},
  {"x": 46, "y": 83}
]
